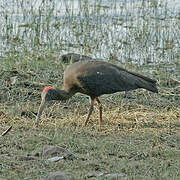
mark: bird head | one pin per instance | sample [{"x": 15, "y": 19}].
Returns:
[{"x": 47, "y": 94}]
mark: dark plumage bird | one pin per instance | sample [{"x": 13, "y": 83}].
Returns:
[
  {"x": 73, "y": 57},
  {"x": 95, "y": 78}
]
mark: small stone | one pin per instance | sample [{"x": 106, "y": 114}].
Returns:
[
  {"x": 13, "y": 80},
  {"x": 55, "y": 159},
  {"x": 54, "y": 150},
  {"x": 90, "y": 175},
  {"x": 58, "y": 176},
  {"x": 115, "y": 176}
]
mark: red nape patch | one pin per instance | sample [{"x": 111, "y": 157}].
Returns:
[{"x": 46, "y": 89}]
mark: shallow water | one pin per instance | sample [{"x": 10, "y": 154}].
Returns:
[{"x": 133, "y": 31}]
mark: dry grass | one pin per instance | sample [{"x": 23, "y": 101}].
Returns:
[{"x": 140, "y": 137}]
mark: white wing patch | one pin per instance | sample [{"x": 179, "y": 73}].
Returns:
[{"x": 99, "y": 73}]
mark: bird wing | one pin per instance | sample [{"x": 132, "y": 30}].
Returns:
[
  {"x": 95, "y": 78},
  {"x": 106, "y": 81}
]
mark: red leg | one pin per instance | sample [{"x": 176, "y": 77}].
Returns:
[
  {"x": 101, "y": 122},
  {"x": 90, "y": 111}
]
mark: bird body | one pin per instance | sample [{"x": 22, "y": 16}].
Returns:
[{"x": 95, "y": 78}]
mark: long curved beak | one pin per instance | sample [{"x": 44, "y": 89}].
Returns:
[{"x": 41, "y": 108}]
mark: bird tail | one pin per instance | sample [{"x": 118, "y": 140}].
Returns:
[{"x": 146, "y": 83}]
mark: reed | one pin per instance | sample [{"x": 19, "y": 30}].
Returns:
[{"x": 137, "y": 32}]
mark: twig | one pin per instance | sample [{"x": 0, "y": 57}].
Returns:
[
  {"x": 5, "y": 132},
  {"x": 169, "y": 94},
  {"x": 175, "y": 80}
]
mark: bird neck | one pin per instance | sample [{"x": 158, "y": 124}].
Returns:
[
  {"x": 63, "y": 94},
  {"x": 56, "y": 94}
]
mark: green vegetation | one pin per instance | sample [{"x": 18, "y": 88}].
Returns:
[{"x": 141, "y": 135}]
